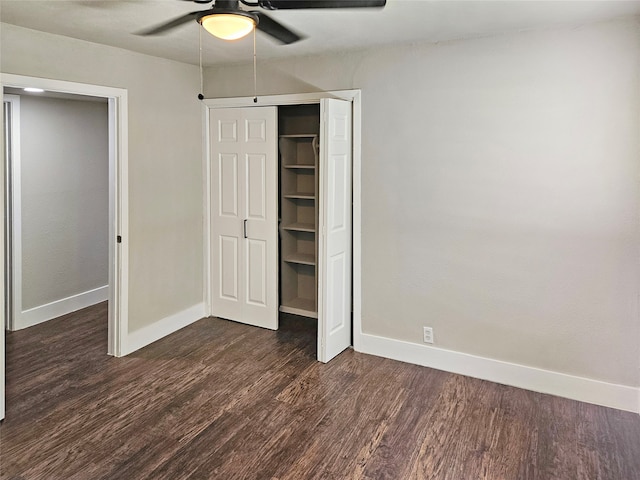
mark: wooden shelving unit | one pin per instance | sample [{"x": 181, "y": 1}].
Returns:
[{"x": 298, "y": 147}]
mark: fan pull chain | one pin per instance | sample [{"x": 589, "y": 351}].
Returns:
[
  {"x": 201, "y": 95},
  {"x": 255, "y": 75}
]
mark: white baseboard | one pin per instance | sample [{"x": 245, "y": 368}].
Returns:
[
  {"x": 582, "y": 389},
  {"x": 36, "y": 315},
  {"x": 160, "y": 329}
]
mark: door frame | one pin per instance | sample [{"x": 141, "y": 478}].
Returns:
[
  {"x": 355, "y": 97},
  {"x": 118, "y": 195},
  {"x": 12, "y": 209}
]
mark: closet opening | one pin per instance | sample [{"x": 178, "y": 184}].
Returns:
[{"x": 298, "y": 150}]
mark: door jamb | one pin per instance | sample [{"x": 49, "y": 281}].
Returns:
[
  {"x": 354, "y": 96},
  {"x": 12, "y": 209},
  {"x": 118, "y": 194}
]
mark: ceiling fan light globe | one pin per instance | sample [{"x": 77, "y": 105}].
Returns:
[{"x": 228, "y": 26}]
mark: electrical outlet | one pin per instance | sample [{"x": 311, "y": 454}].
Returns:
[{"x": 428, "y": 334}]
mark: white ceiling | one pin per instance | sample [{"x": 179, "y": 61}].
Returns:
[{"x": 114, "y": 22}]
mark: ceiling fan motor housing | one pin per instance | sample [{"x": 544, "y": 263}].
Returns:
[{"x": 220, "y": 11}]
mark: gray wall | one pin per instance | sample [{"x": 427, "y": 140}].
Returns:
[
  {"x": 65, "y": 198},
  {"x": 500, "y": 191},
  {"x": 165, "y": 159}
]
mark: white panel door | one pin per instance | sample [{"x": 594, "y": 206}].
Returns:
[
  {"x": 244, "y": 215},
  {"x": 334, "y": 251}
]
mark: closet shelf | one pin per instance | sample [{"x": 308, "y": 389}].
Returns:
[
  {"x": 300, "y": 196},
  {"x": 300, "y": 135},
  {"x": 301, "y": 258},
  {"x": 300, "y": 306},
  {"x": 300, "y": 227},
  {"x": 300, "y": 166}
]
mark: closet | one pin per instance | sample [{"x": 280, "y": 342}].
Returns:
[{"x": 281, "y": 216}]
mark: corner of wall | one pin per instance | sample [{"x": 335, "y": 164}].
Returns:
[
  {"x": 587, "y": 390},
  {"x": 166, "y": 326}
]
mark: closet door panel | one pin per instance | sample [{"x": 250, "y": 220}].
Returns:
[
  {"x": 226, "y": 234},
  {"x": 256, "y": 187},
  {"x": 337, "y": 190},
  {"x": 227, "y": 185},
  {"x": 256, "y": 130},
  {"x": 336, "y": 275},
  {"x": 227, "y": 130},
  {"x": 261, "y": 214},
  {"x": 256, "y": 253},
  {"x": 334, "y": 252},
  {"x": 228, "y": 268},
  {"x": 257, "y": 284},
  {"x": 244, "y": 215}
]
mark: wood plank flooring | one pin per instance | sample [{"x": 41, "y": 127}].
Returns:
[{"x": 220, "y": 400}]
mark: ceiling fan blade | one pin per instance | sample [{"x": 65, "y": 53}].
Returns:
[
  {"x": 301, "y": 4},
  {"x": 176, "y": 22},
  {"x": 278, "y": 31}
]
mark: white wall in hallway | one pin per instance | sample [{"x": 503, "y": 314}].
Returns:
[{"x": 64, "y": 165}]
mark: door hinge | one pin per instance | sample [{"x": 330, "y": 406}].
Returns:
[{"x": 118, "y": 239}]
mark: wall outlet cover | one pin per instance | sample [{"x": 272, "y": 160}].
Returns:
[{"x": 427, "y": 334}]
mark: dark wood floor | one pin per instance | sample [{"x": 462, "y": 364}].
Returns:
[{"x": 220, "y": 400}]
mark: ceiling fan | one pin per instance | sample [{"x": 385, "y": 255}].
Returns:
[{"x": 226, "y": 20}]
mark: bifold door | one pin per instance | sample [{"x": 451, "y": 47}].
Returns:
[
  {"x": 244, "y": 215},
  {"x": 334, "y": 255}
]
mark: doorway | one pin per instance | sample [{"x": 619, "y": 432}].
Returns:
[
  {"x": 116, "y": 100},
  {"x": 57, "y": 198}
]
